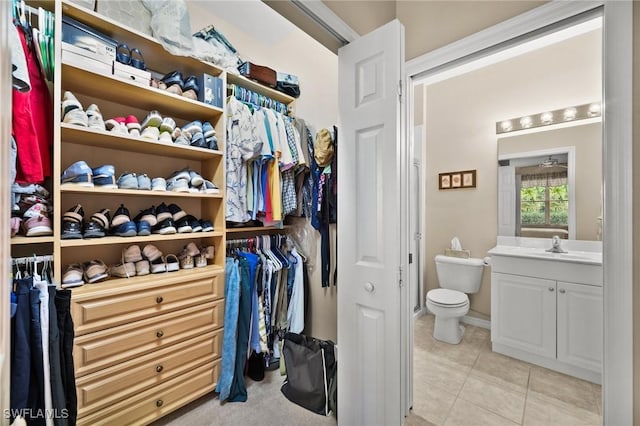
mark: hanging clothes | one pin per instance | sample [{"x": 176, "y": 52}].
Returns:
[{"x": 229, "y": 340}]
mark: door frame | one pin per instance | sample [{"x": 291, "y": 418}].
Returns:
[{"x": 617, "y": 380}]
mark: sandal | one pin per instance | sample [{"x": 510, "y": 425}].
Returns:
[{"x": 137, "y": 62}]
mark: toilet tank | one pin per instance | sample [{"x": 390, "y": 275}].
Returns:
[{"x": 455, "y": 273}]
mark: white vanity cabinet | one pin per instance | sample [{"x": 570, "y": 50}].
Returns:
[{"x": 549, "y": 313}]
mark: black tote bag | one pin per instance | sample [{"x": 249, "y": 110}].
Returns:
[{"x": 311, "y": 367}]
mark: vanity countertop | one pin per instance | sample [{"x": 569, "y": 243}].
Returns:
[{"x": 572, "y": 256}]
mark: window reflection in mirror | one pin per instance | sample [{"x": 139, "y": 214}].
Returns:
[{"x": 549, "y": 183}]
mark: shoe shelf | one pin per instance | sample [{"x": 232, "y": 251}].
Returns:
[
  {"x": 259, "y": 88},
  {"x": 71, "y": 133},
  {"x": 154, "y": 53},
  {"x": 31, "y": 240},
  {"x": 257, "y": 229},
  {"x": 124, "y": 92},
  {"x": 138, "y": 239},
  {"x": 136, "y": 192}
]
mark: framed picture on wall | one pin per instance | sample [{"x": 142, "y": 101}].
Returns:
[{"x": 456, "y": 180}]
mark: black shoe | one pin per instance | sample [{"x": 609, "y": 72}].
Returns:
[
  {"x": 163, "y": 213},
  {"x": 121, "y": 216},
  {"x": 176, "y": 212},
  {"x": 174, "y": 77},
  {"x": 74, "y": 214},
  {"x": 148, "y": 215},
  {"x": 195, "y": 224},
  {"x": 165, "y": 227},
  {"x": 71, "y": 230},
  {"x": 183, "y": 226},
  {"x": 98, "y": 224}
]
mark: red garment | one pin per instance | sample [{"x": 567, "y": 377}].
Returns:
[{"x": 32, "y": 124}]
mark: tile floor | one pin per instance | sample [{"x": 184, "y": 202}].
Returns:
[{"x": 468, "y": 384}]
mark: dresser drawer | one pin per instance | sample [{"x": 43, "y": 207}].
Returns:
[
  {"x": 156, "y": 402},
  {"x": 106, "y": 387},
  {"x": 104, "y": 348},
  {"x": 107, "y": 305}
]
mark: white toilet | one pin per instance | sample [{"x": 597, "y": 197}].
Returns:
[{"x": 449, "y": 303}]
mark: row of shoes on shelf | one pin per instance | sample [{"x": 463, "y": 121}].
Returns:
[
  {"x": 162, "y": 220},
  {"x": 173, "y": 82},
  {"x": 185, "y": 180},
  {"x": 30, "y": 210},
  {"x": 154, "y": 127},
  {"x": 137, "y": 262}
]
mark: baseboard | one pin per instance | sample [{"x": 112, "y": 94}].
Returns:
[
  {"x": 478, "y": 322},
  {"x": 423, "y": 311}
]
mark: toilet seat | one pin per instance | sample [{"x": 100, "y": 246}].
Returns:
[{"x": 447, "y": 298}]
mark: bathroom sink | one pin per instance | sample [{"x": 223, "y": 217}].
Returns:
[{"x": 587, "y": 257}]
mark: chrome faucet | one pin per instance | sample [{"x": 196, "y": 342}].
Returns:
[{"x": 555, "y": 245}]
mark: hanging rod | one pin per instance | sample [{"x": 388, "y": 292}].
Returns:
[{"x": 34, "y": 258}]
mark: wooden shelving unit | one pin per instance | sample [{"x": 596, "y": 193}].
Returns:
[
  {"x": 136, "y": 192},
  {"x": 257, "y": 230},
  {"x": 19, "y": 240},
  {"x": 241, "y": 80},
  {"x": 153, "y": 238}
]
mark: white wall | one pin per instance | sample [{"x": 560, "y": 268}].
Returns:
[
  {"x": 264, "y": 37},
  {"x": 460, "y": 132}
]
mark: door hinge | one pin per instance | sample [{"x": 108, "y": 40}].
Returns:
[
  {"x": 400, "y": 282},
  {"x": 399, "y": 90},
  {"x": 417, "y": 236},
  {"x": 410, "y": 258}
]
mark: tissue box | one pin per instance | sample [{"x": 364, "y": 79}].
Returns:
[{"x": 464, "y": 254}]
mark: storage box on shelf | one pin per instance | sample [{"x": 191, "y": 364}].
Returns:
[{"x": 144, "y": 345}]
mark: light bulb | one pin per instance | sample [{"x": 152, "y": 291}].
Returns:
[
  {"x": 546, "y": 117},
  {"x": 506, "y": 126},
  {"x": 595, "y": 109},
  {"x": 526, "y": 122},
  {"x": 570, "y": 114}
]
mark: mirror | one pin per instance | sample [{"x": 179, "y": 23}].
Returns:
[{"x": 549, "y": 182}]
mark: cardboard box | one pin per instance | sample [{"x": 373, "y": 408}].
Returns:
[
  {"x": 210, "y": 90},
  {"x": 86, "y": 62},
  {"x": 132, "y": 74},
  {"x": 101, "y": 56}
]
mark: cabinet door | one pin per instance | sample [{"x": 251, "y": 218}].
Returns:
[
  {"x": 580, "y": 325},
  {"x": 523, "y": 313}
]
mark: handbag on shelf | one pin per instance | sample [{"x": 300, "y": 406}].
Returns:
[{"x": 259, "y": 73}]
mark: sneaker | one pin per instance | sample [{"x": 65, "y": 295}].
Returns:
[
  {"x": 151, "y": 133},
  {"x": 212, "y": 143},
  {"x": 72, "y": 223},
  {"x": 176, "y": 212},
  {"x": 181, "y": 175},
  {"x": 153, "y": 119},
  {"x": 178, "y": 185},
  {"x": 147, "y": 215},
  {"x": 158, "y": 184},
  {"x": 144, "y": 182},
  {"x": 183, "y": 226},
  {"x": 200, "y": 261},
  {"x": 15, "y": 225},
  {"x": 117, "y": 125},
  {"x": 158, "y": 265},
  {"x": 168, "y": 125},
  {"x": 142, "y": 268},
  {"x": 95, "y": 120},
  {"x": 162, "y": 212},
  {"x": 151, "y": 252},
  {"x": 209, "y": 187},
  {"x": 127, "y": 229},
  {"x": 207, "y": 226},
  {"x": 208, "y": 130},
  {"x": 121, "y": 216},
  {"x": 196, "y": 179},
  {"x": 132, "y": 254},
  {"x": 165, "y": 227},
  {"x": 133, "y": 126},
  {"x": 69, "y": 103},
  {"x": 105, "y": 176},
  {"x": 191, "y": 249},
  {"x": 123, "y": 270},
  {"x": 195, "y": 224},
  {"x": 98, "y": 225},
  {"x": 79, "y": 173},
  {"x": 193, "y": 127},
  {"x": 198, "y": 140},
  {"x": 143, "y": 228},
  {"x": 127, "y": 180},
  {"x": 37, "y": 209},
  {"x": 172, "y": 263},
  {"x": 94, "y": 271},
  {"x": 165, "y": 137},
  {"x": 77, "y": 117},
  {"x": 186, "y": 262},
  {"x": 208, "y": 252},
  {"x": 182, "y": 140},
  {"x": 73, "y": 276}
]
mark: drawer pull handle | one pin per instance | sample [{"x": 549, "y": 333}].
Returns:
[
  {"x": 159, "y": 368},
  {"x": 159, "y": 333},
  {"x": 562, "y": 290},
  {"x": 159, "y": 299},
  {"x": 551, "y": 289},
  {"x": 159, "y": 403}
]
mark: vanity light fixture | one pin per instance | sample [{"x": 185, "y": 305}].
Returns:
[
  {"x": 578, "y": 112},
  {"x": 546, "y": 117}
]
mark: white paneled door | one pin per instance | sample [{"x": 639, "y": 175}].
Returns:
[{"x": 371, "y": 232}]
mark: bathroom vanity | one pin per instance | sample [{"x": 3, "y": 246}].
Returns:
[{"x": 546, "y": 308}]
